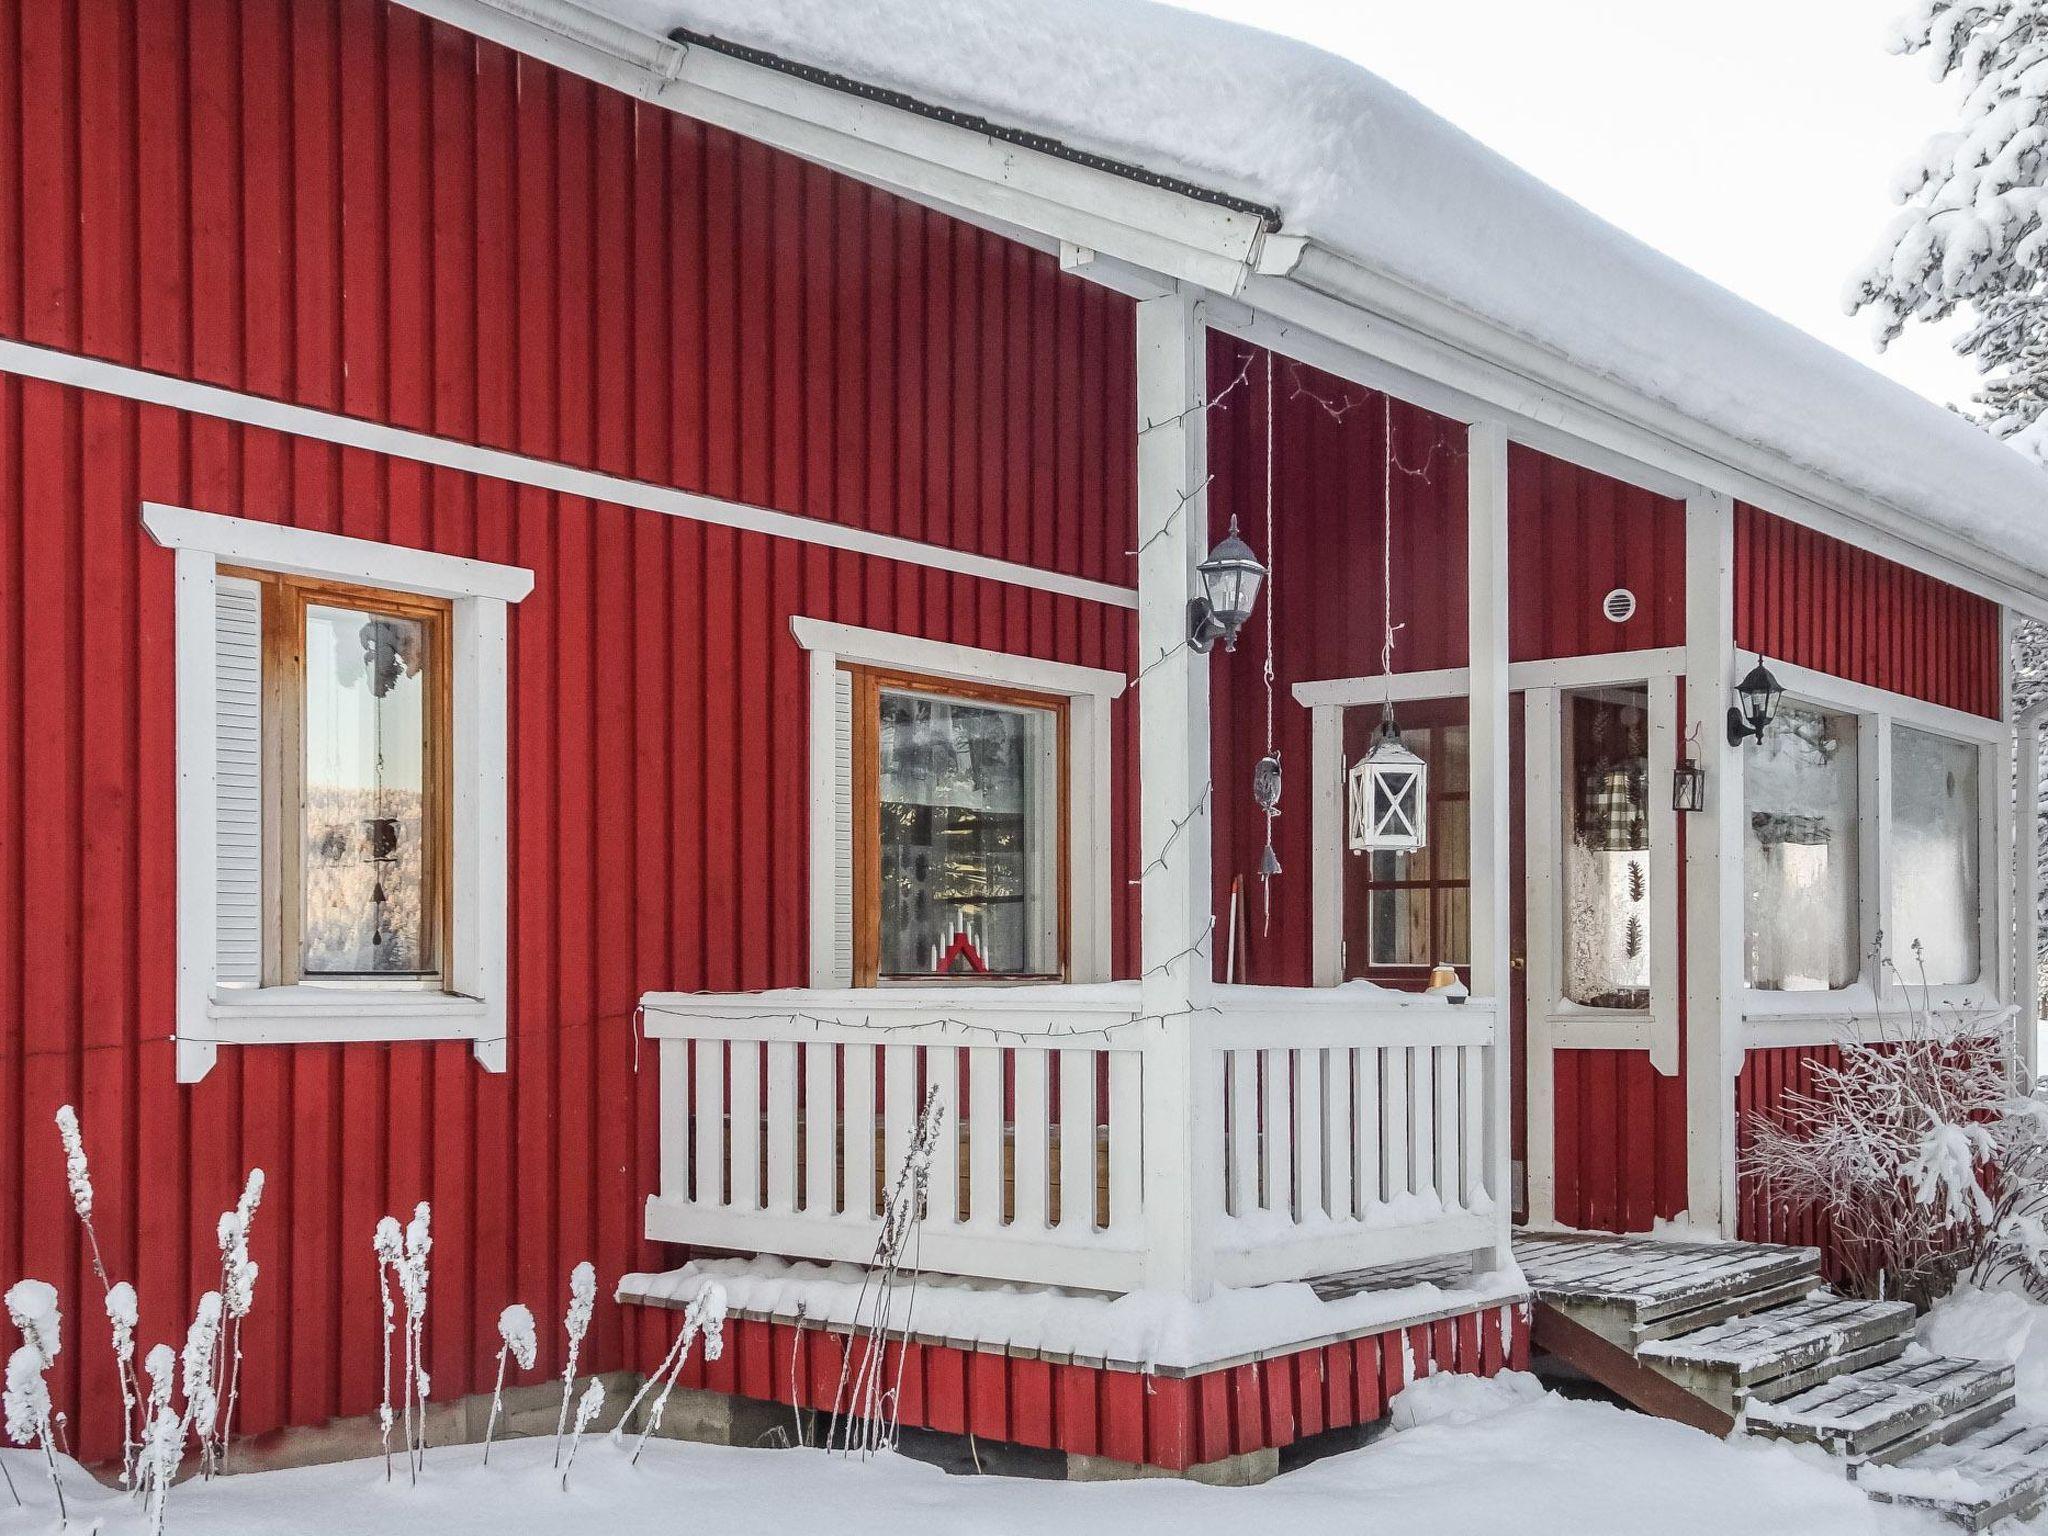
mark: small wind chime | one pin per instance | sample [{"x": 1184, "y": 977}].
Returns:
[
  {"x": 1266, "y": 774},
  {"x": 385, "y": 656},
  {"x": 1389, "y": 786}
]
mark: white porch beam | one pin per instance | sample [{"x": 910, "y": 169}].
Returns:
[
  {"x": 1176, "y": 920},
  {"x": 1713, "y": 869},
  {"x": 1487, "y": 667}
]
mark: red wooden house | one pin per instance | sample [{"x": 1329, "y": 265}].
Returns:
[{"x": 600, "y": 599}]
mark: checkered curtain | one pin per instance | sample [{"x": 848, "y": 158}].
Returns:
[{"x": 1614, "y": 808}]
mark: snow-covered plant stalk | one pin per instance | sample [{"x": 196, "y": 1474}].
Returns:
[
  {"x": 587, "y": 1407},
  {"x": 238, "y": 1293},
  {"x": 582, "y": 1302},
  {"x": 412, "y": 1285},
  {"x": 864, "y": 1407},
  {"x": 389, "y": 1243},
  {"x": 518, "y": 1342},
  {"x": 705, "y": 1315},
  {"x": 78, "y": 1178},
  {"x": 163, "y": 1437},
  {"x": 1905, "y": 1148},
  {"x": 32, "y": 1307}
]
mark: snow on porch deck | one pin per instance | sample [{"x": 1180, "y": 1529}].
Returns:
[{"x": 1145, "y": 1331}]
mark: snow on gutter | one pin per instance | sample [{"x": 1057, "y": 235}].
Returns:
[{"x": 1529, "y": 381}]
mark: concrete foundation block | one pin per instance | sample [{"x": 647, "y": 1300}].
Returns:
[{"x": 1242, "y": 1471}]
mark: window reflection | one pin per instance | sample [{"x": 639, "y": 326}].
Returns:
[
  {"x": 1800, "y": 851},
  {"x": 1934, "y": 858}
]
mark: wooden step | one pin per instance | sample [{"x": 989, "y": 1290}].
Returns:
[
  {"x": 1638, "y": 1282},
  {"x": 1888, "y": 1412},
  {"x": 1726, "y": 1361},
  {"x": 1988, "y": 1475}
]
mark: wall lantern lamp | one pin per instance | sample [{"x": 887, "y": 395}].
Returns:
[
  {"x": 1230, "y": 586},
  {"x": 1756, "y": 705}
]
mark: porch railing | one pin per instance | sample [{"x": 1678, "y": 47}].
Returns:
[{"x": 1337, "y": 1135}]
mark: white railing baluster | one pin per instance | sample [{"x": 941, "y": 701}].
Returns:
[
  {"x": 942, "y": 1065},
  {"x": 1368, "y": 1165},
  {"x": 857, "y": 1122},
  {"x": 743, "y": 1122},
  {"x": 707, "y": 1086},
  {"x": 1340, "y": 1128},
  {"x": 1126, "y": 1106},
  {"x": 1077, "y": 1140},
  {"x": 1276, "y": 1167},
  {"x": 1394, "y": 1122},
  {"x": 1309, "y": 1132},
  {"x": 1472, "y": 1082},
  {"x": 781, "y": 1126},
  {"x": 900, "y": 1104},
  {"x": 1030, "y": 1141},
  {"x": 675, "y": 1120},
  {"x": 1446, "y": 1181},
  {"x": 1422, "y": 1135},
  {"x": 985, "y": 1121},
  {"x": 821, "y": 1126},
  {"x": 1243, "y": 1165}
]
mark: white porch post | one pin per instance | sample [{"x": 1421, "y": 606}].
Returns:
[
  {"x": 1487, "y": 629},
  {"x": 1713, "y": 869},
  {"x": 1176, "y": 924}
]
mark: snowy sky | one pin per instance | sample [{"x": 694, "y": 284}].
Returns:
[{"x": 1751, "y": 139}]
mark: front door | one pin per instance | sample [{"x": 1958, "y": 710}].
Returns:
[{"x": 1595, "y": 940}]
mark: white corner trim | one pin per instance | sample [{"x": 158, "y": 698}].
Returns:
[
  {"x": 332, "y": 557},
  {"x": 474, "y": 1009},
  {"x": 962, "y": 663},
  {"x": 1088, "y": 691}
]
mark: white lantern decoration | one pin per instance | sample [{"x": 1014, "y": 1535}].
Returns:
[{"x": 1389, "y": 791}]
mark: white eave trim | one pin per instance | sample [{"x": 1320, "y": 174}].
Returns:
[{"x": 933, "y": 162}]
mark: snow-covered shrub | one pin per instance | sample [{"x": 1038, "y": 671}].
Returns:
[
  {"x": 238, "y": 1294},
  {"x": 27, "y": 1411},
  {"x": 587, "y": 1408},
  {"x": 864, "y": 1405},
  {"x": 1909, "y": 1148},
  {"x": 517, "y": 1342},
  {"x": 705, "y": 1316},
  {"x": 402, "y": 1260},
  {"x": 163, "y": 1436},
  {"x": 582, "y": 1302}
]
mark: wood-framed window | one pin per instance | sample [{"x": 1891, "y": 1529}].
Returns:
[
  {"x": 333, "y": 757},
  {"x": 1409, "y": 912},
  {"x": 958, "y": 817}
]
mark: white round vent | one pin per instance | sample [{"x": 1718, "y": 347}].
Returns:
[{"x": 1619, "y": 605}]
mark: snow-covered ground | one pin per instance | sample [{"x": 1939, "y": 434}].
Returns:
[{"x": 1466, "y": 1458}]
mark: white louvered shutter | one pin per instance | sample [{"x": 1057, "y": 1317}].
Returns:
[
  {"x": 842, "y": 829},
  {"x": 238, "y": 780}
]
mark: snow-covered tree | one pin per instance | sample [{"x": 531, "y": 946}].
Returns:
[{"x": 1969, "y": 235}]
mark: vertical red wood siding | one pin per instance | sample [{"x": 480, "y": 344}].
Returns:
[
  {"x": 1814, "y": 601},
  {"x": 338, "y": 203},
  {"x": 1173, "y": 1422},
  {"x": 1574, "y": 536},
  {"x": 1325, "y": 601}
]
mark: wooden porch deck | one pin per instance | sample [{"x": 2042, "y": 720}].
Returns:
[{"x": 1744, "y": 1337}]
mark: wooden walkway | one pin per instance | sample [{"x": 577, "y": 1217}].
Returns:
[{"x": 1744, "y": 1337}]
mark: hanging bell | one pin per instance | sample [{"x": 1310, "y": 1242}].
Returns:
[
  {"x": 1269, "y": 862},
  {"x": 1389, "y": 796}
]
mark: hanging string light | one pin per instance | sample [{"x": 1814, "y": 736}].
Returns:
[{"x": 1389, "y": 786}]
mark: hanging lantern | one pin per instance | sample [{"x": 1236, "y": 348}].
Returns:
[
  {"x": 1230, "y": 586},
  {"x": 1757, "y": 698},
  {"x": 1389, "y": 793},
  {"x": 1689, "y": 786}
]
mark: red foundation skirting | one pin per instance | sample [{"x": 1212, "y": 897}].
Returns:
[{"x": 1173, "y": 1422}]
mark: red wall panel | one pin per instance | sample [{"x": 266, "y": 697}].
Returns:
[
  {"x": 344, "y": 205},
  {"x": 1574, "y": 536},
  {"x": 1817, "y": 602}
]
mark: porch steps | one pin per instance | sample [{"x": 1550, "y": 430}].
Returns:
[{"x": 1744, "y": 1338}]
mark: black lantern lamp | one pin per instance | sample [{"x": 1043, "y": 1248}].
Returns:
[
  {"x": 1230, "y": 585},
  {"x": 1756, "y": 705},
  {"x": 1689, "y": 786}
]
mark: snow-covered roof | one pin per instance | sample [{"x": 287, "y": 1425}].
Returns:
[{"x": 1365, "y": 170}]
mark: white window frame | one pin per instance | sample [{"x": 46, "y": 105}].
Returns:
[
  {"x": 473, "y": 1008},
  {"x": 1819, "y": 1017},
  {"x": 1089, "y": 692}
]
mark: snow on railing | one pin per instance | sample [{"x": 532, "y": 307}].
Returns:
[{"x": 1345, "y": 1127}]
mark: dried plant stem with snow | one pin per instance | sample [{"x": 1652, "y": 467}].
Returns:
[
  {"x": 587, "y": 1408},
  {"x": 582, "y": 1302},
  {"x": 705, "y": 1315},
  {"x": 32, "y": 1308},
  {"x": 163, "y": 1438},
  {"x": 517, "y": 1341},
  {"x": 238, "y": 1294},
  {"x": 402, "y": 1255},
  {"x": 864, "y": 1405},
  {"x": 119, "y": 1297}
]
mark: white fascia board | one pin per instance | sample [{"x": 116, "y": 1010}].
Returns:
[
  {"x": 1331, "y": 295},
  {"x": 927, "y": 160}
]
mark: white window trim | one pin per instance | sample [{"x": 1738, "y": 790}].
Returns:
[
  {"x": 1870, "y": 1006},
  {"x": 1088, "y": 691},
  {"x": 474, "y": 1007}
]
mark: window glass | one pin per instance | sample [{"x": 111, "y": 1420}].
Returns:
[
  {"x": 1934, "y": 857},
  {"x": 1801, "y": 893},
  {"x": 1607, "y": 847},
  {"x": 367, "y": 907},
  {"x": 969, "y": 819}
]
